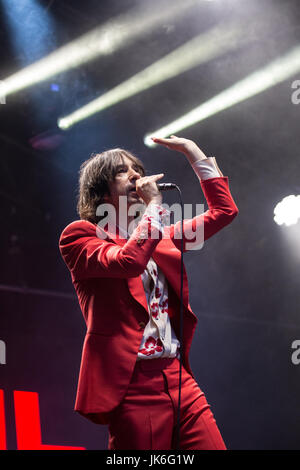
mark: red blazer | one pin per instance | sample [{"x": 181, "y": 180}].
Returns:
[{"x": 106, "y": 277}]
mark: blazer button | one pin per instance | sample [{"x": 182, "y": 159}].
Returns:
[{"x": 142, "y": 325}]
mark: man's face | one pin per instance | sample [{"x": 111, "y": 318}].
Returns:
[{"x": 124, "y": 183}]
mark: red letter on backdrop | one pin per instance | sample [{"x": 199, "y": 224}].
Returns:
[
  {"x": 2, "y": 423},
  {"x": 28, "y": 427}
]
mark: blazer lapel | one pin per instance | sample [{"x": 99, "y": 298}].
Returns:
[
  {"x": 135, "y": 284},
  {"x": 167, "y": 257}
]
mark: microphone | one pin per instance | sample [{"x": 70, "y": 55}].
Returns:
[{"x": 166, "y": 186}]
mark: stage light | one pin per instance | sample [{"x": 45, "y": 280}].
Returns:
[
  {"x": 2, "y": 93},
  {"x": 32, "y": 29},
  {"x": 259, "y": 81},
  {"x": 287, "y": 212},
  {"x": 200, "y": 49},
  {"x": 54, "y": 87},
  {"x": 106, "y": 39}
]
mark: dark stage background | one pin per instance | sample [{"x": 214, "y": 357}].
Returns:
[{"x": 244, "y": 283}]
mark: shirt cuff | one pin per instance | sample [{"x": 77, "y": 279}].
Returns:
[{"x": 206, "y": 169}]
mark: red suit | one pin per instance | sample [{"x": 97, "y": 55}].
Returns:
[{"x": 106, "y": 277}]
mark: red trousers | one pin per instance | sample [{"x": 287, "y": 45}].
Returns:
[{"x": 146, "y": 419}]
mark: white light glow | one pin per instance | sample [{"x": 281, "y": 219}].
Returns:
[
  {"x": 200, "y": 49},
  {"x": 287, "y": 212},
  {"x": 259, "y": 81},
  {"x": 106, "y": 39},
  {"x": 31, "y": 29}
]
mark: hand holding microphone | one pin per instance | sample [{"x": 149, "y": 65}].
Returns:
[{"x": 148, "y": 190}]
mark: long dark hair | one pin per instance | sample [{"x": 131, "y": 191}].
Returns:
[{"x": 95, "y": 174}]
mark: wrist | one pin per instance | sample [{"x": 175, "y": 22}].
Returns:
[
  {"x": 194, "y": 154},
  {"x": 155, "y": 200}
]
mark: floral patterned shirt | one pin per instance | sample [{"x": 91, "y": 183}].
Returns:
[{"x": 159, "y": 338}]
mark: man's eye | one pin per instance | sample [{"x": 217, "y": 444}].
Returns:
[{"x": 121, "y": 170}]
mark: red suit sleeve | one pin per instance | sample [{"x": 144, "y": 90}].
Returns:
[
  {"x": 87, "y": 255},
  {"x": 221, "y": 211}
]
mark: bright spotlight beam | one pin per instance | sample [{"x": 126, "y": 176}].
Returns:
[
  {"x": 101, "y": 41},
  {"x": 200, "y": 49},
  {"x": 32, "y": 29},
  {"x": 259, "y": 81}
]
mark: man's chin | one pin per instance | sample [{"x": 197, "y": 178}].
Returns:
[
  {"x": 133, "y": 196},
  {"x": 132, "y": 200}
]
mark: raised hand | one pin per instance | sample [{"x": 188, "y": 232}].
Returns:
[
  {"x": 175, "y": 143},
  {"x": 186, "y": 146}
]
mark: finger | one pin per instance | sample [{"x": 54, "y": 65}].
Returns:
[
  {"x": 166, "y": 138},
  {"x": 157, "y": 177},
  {"x": 161, "y": 140},
  {"x": 149, "y": 178}
]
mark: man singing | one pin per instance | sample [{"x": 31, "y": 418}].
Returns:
[{"x": 128, "y": 287}]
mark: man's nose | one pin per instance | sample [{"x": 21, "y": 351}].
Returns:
[{"x": 134, "y": 175}]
